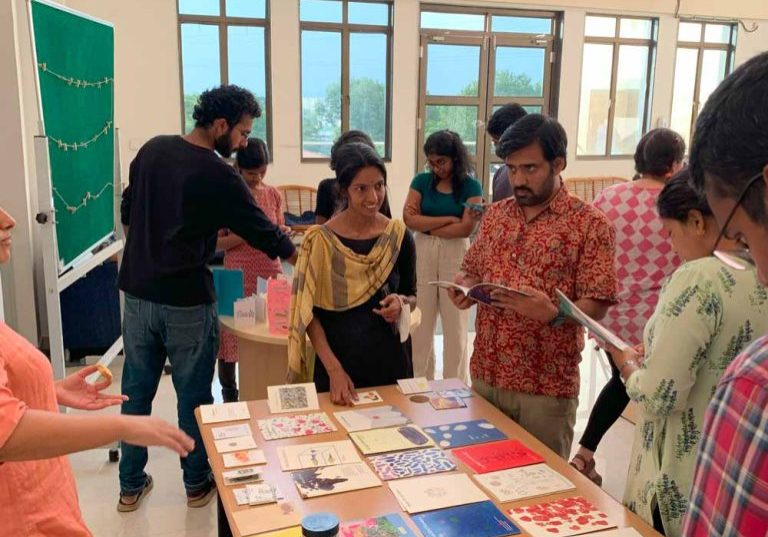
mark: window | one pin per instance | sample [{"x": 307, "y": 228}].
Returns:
[
  {"x": 345, "y": 73},
  {"x": 475, "y": 60},
  {"x": 225, "y": 42},
  {"x": 616, "y": 76},
  {"x": 704, "y": 58}
]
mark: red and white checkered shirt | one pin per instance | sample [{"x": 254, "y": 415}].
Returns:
[
  {"x": 730, "y": 488},
  {"x": 644, "y": 256}
]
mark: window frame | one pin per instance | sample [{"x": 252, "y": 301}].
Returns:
[
  {"x": 345, "y": 28},
  {"x": 223, "y": 22},
  {"x": 616, "y": 42},
  {"x": 701, "y": 46},
  {"x": 486, "y": 99}
]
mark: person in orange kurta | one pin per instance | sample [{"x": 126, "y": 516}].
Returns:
[{"x": 37, "y": 489}]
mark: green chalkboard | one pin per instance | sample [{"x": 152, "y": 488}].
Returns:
[{"x": 74, "y": 55}]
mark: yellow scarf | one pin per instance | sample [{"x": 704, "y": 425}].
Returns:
[{"x": 332, "y": 277}]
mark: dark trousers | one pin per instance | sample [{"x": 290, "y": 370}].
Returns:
[{"x": 611, "y": 402}]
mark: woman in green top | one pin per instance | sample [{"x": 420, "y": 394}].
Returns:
[
  {"x": 706, "y": 314},
  {"x": 435, "y": 210}
]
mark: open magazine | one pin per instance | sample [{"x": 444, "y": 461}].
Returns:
[
  {"x": 480, "y": 292},
  {"x": 570, "y": 310}
]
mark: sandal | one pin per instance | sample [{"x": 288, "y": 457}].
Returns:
[
  {"x": 128, "y": 506},
  {"x": 588, "y": 469}
]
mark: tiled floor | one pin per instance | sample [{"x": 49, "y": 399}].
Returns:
[{"x": 165, "y": 514}]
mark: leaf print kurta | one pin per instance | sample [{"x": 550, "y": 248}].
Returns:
[{"x": 707, "y": 313}]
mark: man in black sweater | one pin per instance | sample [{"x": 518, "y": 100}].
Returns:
[{"x": 180, "y": 193}]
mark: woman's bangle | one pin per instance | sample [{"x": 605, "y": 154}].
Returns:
[{"x": 625, "y": 364}]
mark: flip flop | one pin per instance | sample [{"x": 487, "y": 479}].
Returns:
[{"x": 125, "y": 507}]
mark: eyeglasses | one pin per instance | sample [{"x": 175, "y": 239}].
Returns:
[{"x": 737, "y": 259}]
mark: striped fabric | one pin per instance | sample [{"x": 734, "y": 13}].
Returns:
[
  {"x": 730, "y": 490},
  {"x": 332, "y": 277}
]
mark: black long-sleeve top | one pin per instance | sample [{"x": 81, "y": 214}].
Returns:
[{"x": 178, "y": 196}]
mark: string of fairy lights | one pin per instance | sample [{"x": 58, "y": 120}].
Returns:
[{"x": 66, "y": 146}]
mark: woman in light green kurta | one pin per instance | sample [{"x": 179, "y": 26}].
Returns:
[{"x": 706, "y": 314}]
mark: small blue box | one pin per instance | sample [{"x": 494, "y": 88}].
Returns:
[{"x": 229, "y": 288}]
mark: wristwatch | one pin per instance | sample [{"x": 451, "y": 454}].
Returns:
[{"x": 559, "y": 319}]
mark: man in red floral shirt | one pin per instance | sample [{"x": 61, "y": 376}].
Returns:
[{"x": 526, "y": 357}]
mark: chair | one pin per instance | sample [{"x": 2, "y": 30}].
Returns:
[
  {"x": 298, "y": 206},
  {"x": 587, "y": 188}
]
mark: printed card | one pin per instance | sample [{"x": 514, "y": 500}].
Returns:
[
  {"x": 316, "y": 455},
  {"x": 464, "y": 433},
  {"x": 371, "y": 418},
  {"x": 446, "y": 402},
  {"x": 240, "y": 443},
  {"x": 268, "y": 518},
  {"x": 332, "y": 479},
  {"x": 292, "y": 398},
  {"x": 244, "y": 458},
  {"x": 231, "y": 431},
  {"x": 241, "y": 476},
  {"x": 391, "y": 525},
  {"x": 367, "y": 398},
  {"x": 391, "y": 439},
  {"x": 497, "y": 456},
  {"x": 290, "y": 426},
  {"x": 411, "y": 463},
  {"x": 569, "y": 516},
  {"x": 474, "y": 520},
  {"x": 262, "y": 493},
  {"x": 224, "y": 412},
  {"x": 524, "y": 482},
  {"x": 414, "y": 385},
  {"x": 241, "y": 496},
  {"x": 435, "y": 492}
]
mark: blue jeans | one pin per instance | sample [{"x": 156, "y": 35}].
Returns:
[{"x": 189, "y": 337}]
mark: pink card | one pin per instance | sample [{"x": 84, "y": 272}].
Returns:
[
  {"x": 278, "y": 306},
  {"x": 569, "y": 516}
]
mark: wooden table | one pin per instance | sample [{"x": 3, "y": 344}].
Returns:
[
  {"x": 380, "y": 501},
  {"x": 263, "y": 358}
]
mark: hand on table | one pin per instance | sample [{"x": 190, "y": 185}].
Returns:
[{"x": 342, "y": 388}]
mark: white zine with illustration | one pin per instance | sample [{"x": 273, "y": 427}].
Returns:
[
  {"x": 523, "y": 482},
  {"x": 371, "y": 418},
  {"x": 224, "y": 412},
  {"x": 435, "y": 492},
  {"x": 332, "y": 479},
  {"x": 240, "y": 443},
  {"x": 315, "y": 455},
  {"x": 292, "y": 398}
]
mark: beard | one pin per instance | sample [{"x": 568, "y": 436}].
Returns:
[
  {"x": 223, "y": 146},
  {"x": 528, "y": 198}
]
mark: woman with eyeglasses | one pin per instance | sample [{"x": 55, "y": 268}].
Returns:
[
  {"x": 353, "y": 288},
  {"x": 436, "y": 209},
  {"x": 707, "y": 313}
]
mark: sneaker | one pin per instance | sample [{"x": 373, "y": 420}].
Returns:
[
  {"x": 126, "y": 503},
  {"x": 202, "y": 497}
]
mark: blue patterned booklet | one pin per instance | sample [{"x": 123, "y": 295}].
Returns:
[
  {"x": 474, "y": 520},
  {"x": 411, "y": 463},
  {"x": 464, "y": 433}
]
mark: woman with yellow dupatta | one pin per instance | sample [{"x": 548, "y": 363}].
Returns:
[{"x": 355, "y": 276}]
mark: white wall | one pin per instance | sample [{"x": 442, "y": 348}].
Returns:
[{"x": 147, "y": 97}]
